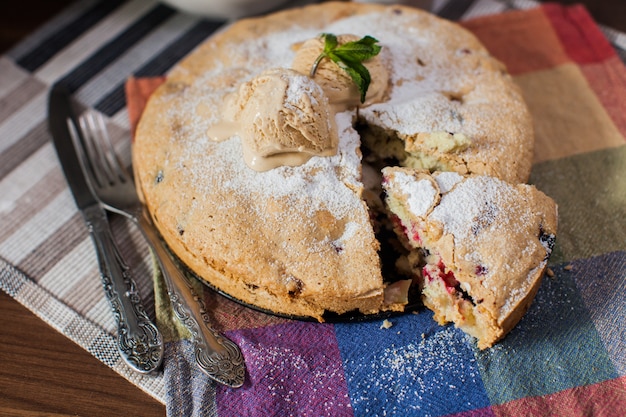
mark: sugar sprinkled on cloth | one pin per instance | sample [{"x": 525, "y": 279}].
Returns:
[{"x": 427, "y": 360}]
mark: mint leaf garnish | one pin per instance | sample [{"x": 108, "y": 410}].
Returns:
[{"x": 350, "y": 56}]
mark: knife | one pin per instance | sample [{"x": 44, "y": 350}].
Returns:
[{"x": 139, "y": 341}]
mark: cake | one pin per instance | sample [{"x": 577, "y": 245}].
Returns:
[
  {"x": 264, "y": 179},
  {"x": 481, "y": 244}
]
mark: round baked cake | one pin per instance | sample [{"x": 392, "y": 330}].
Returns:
[{"x": 264, "y": 178}]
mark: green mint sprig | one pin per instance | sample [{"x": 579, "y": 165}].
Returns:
[{"x": 349, "y": 56}]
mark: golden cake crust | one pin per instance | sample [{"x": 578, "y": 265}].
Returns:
[{"x": 298, "y": 240}]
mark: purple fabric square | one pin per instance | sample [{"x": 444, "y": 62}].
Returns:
[
  {"x": 293, "y": 369},
  {"x": 602, "y": 284}
]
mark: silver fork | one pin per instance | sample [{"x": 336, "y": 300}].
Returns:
[
  {"x": 138, "y": 339},
  {"x": 215, "y": 354}
]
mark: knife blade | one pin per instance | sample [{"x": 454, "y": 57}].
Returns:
[
  {"x": 60, "y": 113},
  {"x": 138, "y": 340}
]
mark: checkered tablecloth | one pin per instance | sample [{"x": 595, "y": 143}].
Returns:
[{"x": 567, "y": 355}]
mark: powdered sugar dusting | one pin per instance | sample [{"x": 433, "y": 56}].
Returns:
[
  {"x": 517, "y": 294},
  {"x": 312, "y": 186},
  {"x": 471, "y": 206},
  {"x": 416, "y": 102},
  {"x": 420, "y": 194},
  {"x": 270, "y": 50},
  {"x": 447, "y": 180},
  {"x": 350, "y": 231},
  {"x": 298, "y": 86}
]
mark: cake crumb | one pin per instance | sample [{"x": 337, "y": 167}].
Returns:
[
  {"x": 550, "y": 272},
  {"x": 568, "y": 267},
  {"x": 386, "y": 324}
]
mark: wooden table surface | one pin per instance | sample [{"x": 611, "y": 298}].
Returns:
[{"x": 42, "y": 373}]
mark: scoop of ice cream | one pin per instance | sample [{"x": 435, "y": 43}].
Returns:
[
  {"x": 283, "y": 118},
  {"x": 341, "y": 90}
]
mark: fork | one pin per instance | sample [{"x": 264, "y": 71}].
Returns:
[
  {"x": 216, "y": 355},
  {"x": 139, "y": 341}
]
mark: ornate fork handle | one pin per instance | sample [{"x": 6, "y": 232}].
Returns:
[
  {"x": 216, "y": 355},
  {"x": 139, "y": 341}
]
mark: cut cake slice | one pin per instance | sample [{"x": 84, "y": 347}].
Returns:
[{"x": 484, "y": 245}]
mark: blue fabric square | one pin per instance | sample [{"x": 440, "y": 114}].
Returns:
[
  {"x": 602, "y": 284},
  {"x": 414, "y": 368},
  {"x": 554, "y": 347}
]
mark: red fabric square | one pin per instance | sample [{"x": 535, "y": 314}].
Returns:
[
  {"x": 582, "y": 39},
  {"x": 606, "y": 399},
  {"x": 523, "y": 40}
]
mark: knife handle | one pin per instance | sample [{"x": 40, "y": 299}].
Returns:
[
  {"x": 216, "y": 355},
  {"x": 139, "y": 340}
]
